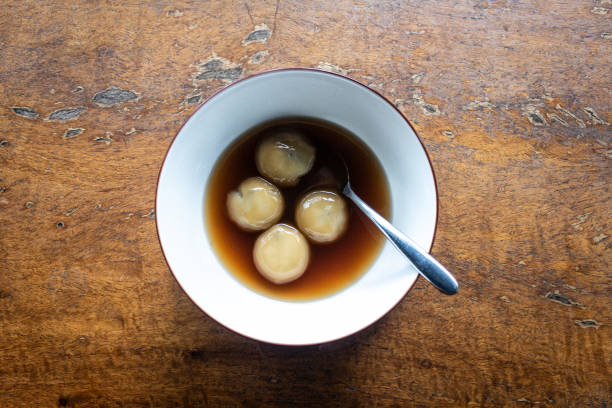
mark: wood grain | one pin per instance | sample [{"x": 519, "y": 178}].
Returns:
[{"x": 512, "y": 100}]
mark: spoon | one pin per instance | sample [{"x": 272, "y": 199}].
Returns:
[{"x": 426, "y": 264}]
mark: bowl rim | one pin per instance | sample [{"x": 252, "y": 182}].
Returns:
[{"x": 270, "y": 71}]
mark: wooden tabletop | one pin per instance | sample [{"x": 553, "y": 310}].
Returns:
[{"x": 512, "y": 100}]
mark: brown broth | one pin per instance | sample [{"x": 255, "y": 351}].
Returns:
[{"x": 333, "y": 266}]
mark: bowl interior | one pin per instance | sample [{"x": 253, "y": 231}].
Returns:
[{"x": 215, "y": 125}]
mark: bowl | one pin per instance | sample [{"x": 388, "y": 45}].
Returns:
[{"x": 215, "y": 125}]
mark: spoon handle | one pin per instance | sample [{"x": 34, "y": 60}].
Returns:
[{"x": 426, "y": 264}]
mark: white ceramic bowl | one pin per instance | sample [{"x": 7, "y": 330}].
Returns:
[{"x": 224, "y": 117}]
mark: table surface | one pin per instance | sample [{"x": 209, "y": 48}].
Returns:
[{"x": 512, "y": 99}]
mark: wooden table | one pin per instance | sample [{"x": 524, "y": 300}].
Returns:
[{"x": 512, "y": 100}]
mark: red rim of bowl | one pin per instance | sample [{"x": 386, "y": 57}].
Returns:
[{"x": 281, "y": 70}]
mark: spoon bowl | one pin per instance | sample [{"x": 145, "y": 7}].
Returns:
[{"x": 426, "y": 265}]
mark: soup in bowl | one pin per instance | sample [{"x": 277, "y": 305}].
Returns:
[{"x": 258, "y": 241}]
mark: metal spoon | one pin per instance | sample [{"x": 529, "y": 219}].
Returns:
[{"x": 426, "y": 264}]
